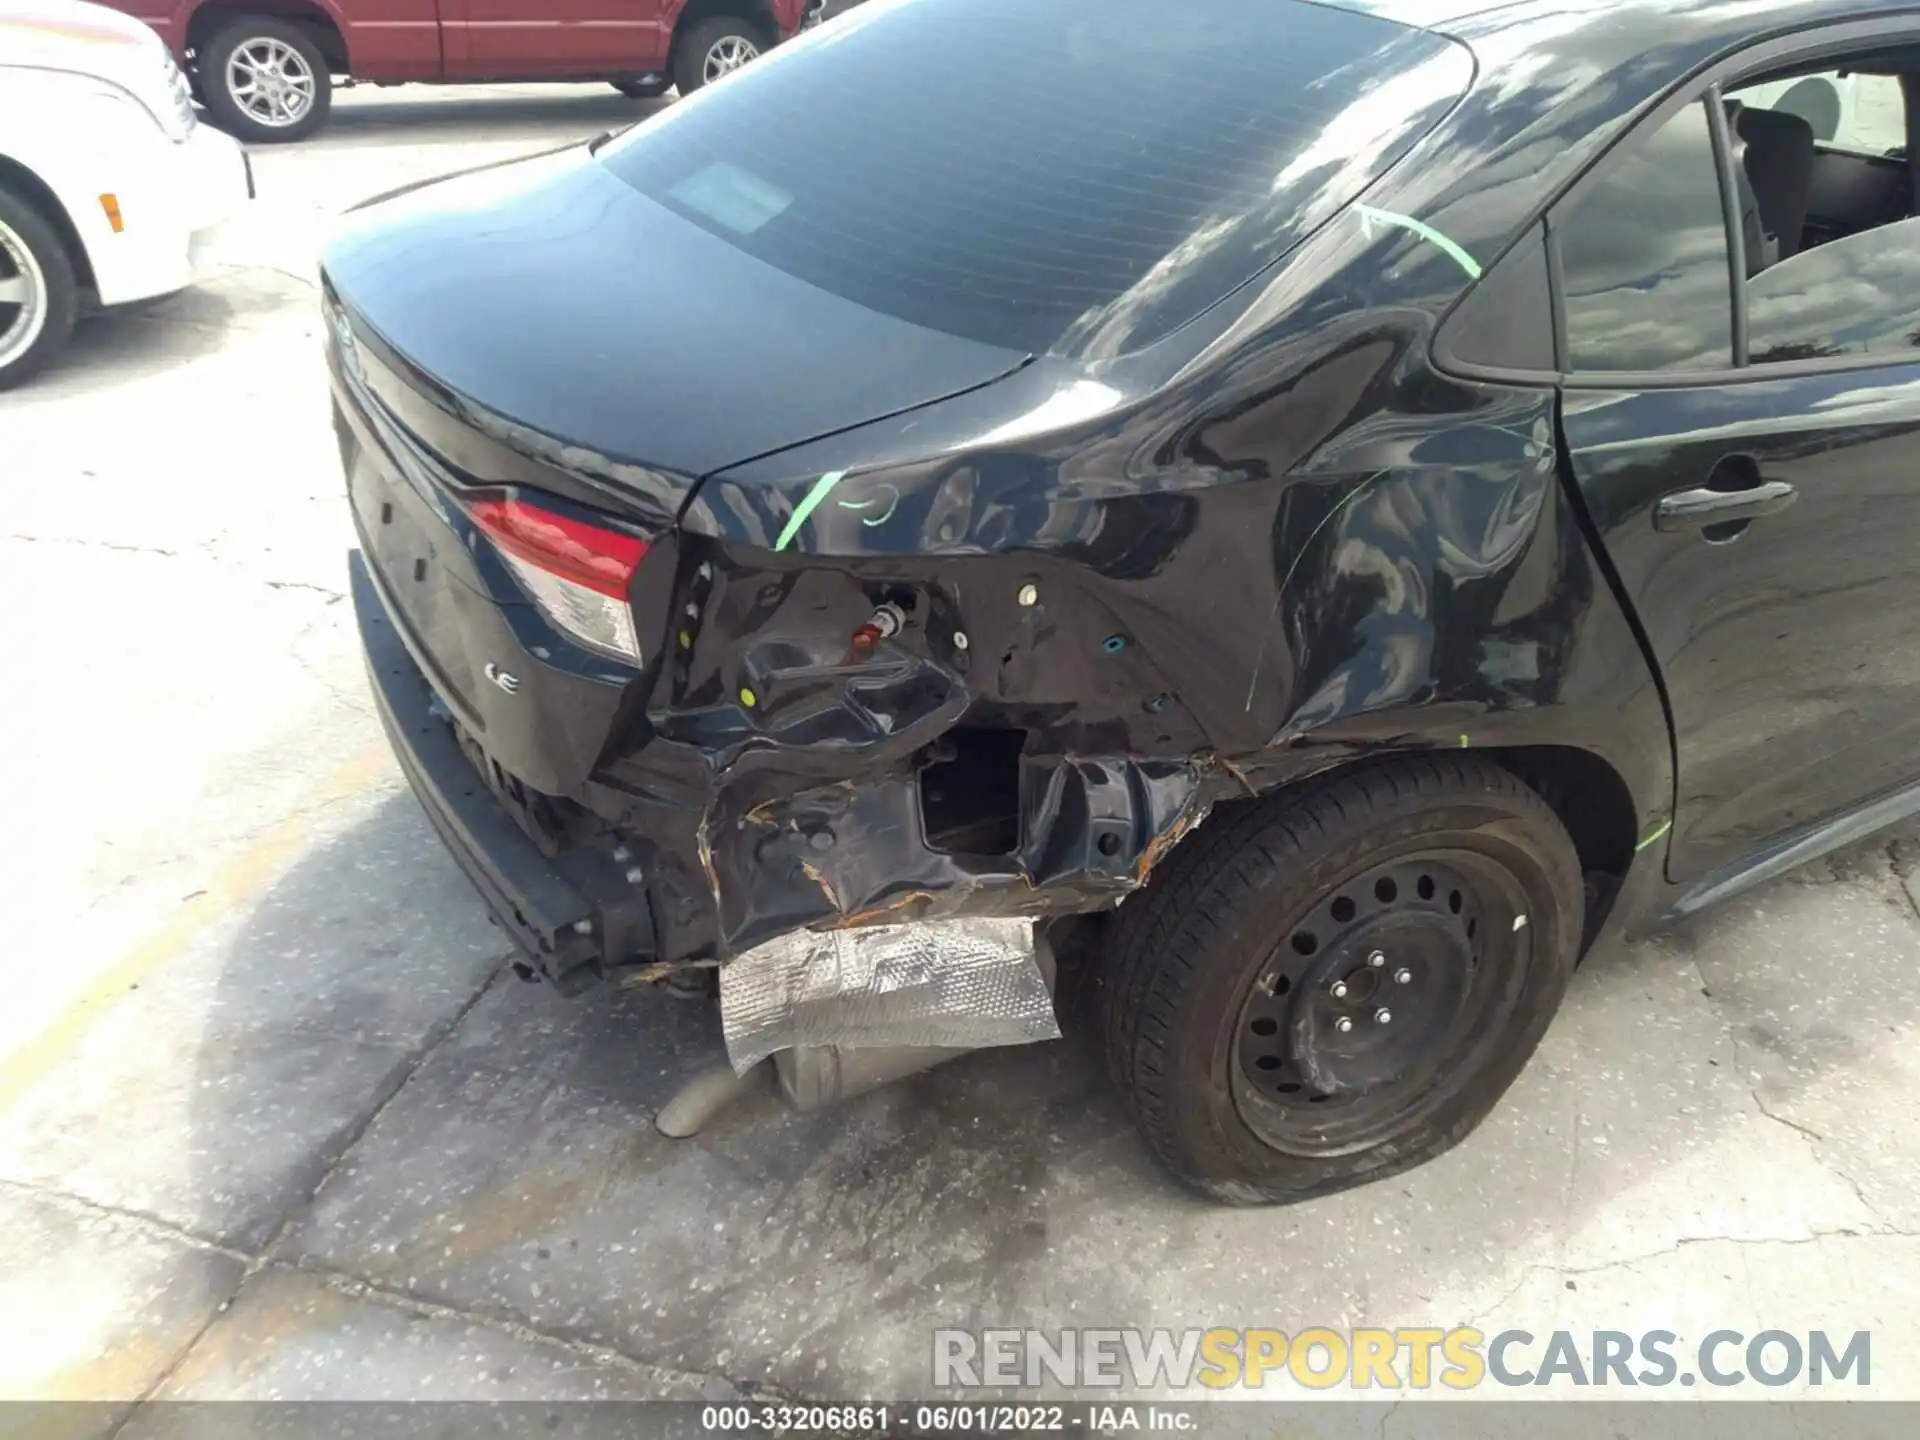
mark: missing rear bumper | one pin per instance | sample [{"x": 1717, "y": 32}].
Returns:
[
  {"x": 569, "y": 917},
  {"x": 667, "y": 865}
]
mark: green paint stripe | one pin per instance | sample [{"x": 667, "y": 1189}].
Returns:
[
  {"x": 1665, "y": 826},
  {"x": 1425, "y": 232},
  {"x": 821, "y": 489}
]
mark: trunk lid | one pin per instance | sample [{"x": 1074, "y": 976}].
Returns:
[
  {"x": 541, "y": 330},
  {"x": 612, "y": 333}
]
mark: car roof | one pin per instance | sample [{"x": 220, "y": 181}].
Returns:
[
  {"x": 1423, "y": 14},
  {"x": 1651, "y": 15}
]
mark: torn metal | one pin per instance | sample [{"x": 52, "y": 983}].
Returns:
[{"x": 965, "y": 984}]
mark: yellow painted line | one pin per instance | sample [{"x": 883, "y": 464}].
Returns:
[{"x": 237, "y": 883}]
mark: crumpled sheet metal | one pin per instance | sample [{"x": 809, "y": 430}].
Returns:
[{"x": 967, "y": 983}]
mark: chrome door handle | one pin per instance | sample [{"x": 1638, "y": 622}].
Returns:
[{"x": 1689, "y": 509}]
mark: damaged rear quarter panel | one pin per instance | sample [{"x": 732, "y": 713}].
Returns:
[{"x": 1182, "y": 577}]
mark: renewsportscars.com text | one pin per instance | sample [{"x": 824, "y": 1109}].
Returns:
[{"x": 1461, "y": 1358}]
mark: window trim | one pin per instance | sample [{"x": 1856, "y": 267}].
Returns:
[
  {"x": 1440, "y": 353},
  {"x": 1720, "y": 136},
  {"x": 1809, "y": 43}
]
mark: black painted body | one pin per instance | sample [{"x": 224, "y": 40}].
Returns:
[{"x": 1277, "y": 540}]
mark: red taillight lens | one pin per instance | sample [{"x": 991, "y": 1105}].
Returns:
[
  {"x": 577, "y": 573},
  {"x": 570, "y": 550}
]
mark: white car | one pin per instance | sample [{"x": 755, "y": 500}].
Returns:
[{"x": 109, "y": 185}]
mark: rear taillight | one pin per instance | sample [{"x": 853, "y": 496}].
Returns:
[{"x": 578, "y": 574}]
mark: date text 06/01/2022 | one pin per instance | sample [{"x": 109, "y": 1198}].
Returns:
[{"x": 982, "y": 1419}]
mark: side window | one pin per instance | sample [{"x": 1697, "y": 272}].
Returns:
[
  {"x": 1851, "y": 111},
  {"x": 1644, "y": 265},
  {"x": 1856, "y": 296}
]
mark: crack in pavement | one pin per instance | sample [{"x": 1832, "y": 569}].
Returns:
[
  {"x": 500, "y": 1320},
  {"x": 331, "y": 594},
  {"x": 1751, "y": 1081},
  {"x": 1739, "y": 1242},
  {"x": 436, "y": 1036},
  {"x": 141, "y": 1219},
  {"x": 90, "y": 544},
  {"x": 1761, "y": 1106},
  {"x": 202, "y": 552},
  {"x": 505, "y": 1323}
]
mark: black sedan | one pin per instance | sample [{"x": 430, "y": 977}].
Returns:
[{"x": 1330, "y": 511}]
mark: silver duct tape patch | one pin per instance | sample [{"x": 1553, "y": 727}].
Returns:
[{"x": 962, "y": 983}]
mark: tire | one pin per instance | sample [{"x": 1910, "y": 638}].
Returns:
[
  {"x": 695, "y": 61},
  {"x": 278, "y": 54},
  {"x": 640, "y": 90},
  {"x": 1219, "y": 1006},
  {"x": 43, "y": 295}
]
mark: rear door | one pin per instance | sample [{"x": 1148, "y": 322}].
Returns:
[
  {"x": 511, "y": 39},
  {"x": 1751, "y": 458}
]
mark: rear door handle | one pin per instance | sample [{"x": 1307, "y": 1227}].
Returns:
[{"x": 1687, "y": 509}]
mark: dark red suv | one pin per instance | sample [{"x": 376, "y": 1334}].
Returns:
[{"x": 264, "y": 68}]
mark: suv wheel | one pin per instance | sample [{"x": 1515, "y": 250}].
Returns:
[
  {"x": 265, "y": 80},
  {"x": 39, "y": 296},
  {"x": 713, "y": 49},
  {"x": 1334, "y": 985}
]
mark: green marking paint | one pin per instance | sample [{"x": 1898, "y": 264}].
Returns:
[
  {"x": 1665, "y": 826},
  {"x": 821, "y": 489},
  {"x": 1425, "y": 232},
  {"x": 869, "y": 503}
]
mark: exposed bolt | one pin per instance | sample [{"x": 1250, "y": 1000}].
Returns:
[
  {"x": 1343, "y": 1024},
  {"x": 959, "y": 639},
  {"x": 583, "y": 927},
  {"x": 1403, "y": 976},
  {"x": 1383, "y": 1016},
  {"x": 636, "y": 875},
  {"x": 1377, "y": 959},
  {"x": 1339, "y": 990},
  {"x": 888, "y": 619},
  {"x": 1029, "y": 594}
]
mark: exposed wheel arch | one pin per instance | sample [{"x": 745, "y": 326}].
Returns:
[
  {"x": 18, "y": 178},
  {"x": 1585, "y": 790},
  {"x": 757, "y": 13},
  {"x": 213, "y": 17}
]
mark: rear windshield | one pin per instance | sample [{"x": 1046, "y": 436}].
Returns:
[{"x": 1079, "y": 176}]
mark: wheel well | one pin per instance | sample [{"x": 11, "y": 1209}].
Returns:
[
  {"x": 1588, "y": 795},
  {"x": 23, "y": 182},
  {"x": 756, "y": 12},
  {"x": 210, "y": 18},
  {"x": 1585, "y": 792}
]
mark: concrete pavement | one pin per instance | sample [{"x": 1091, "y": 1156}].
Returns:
[{"x": 275, "y": 1123}]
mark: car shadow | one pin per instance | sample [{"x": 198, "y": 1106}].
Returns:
[
  {"x": 488, "y": 1146},
  {"x": 422, "y": 113},
  {"x": 127, "y": 343}
]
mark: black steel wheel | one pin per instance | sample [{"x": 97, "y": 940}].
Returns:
[{"x": 1329, "y": 986}]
